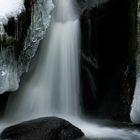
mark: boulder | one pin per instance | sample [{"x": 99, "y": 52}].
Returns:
[{"x": 48, "y": 128}]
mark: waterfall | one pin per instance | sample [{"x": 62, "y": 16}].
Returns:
[
  {"x": 52, "y": 88},
  {"x": 52, "y": 85}
]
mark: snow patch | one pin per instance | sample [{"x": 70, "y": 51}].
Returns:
[{"x": 10, "y": 8}]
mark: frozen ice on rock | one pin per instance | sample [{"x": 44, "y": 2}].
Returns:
[{"x": 10, "y": 8}]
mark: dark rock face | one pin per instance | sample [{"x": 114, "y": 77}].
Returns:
[
  {"x": 49, "y": 128},
  {"x": 89, "y": 61},
  {"x": 108, "y": 58},
  {"x": 86, "y": 3}
]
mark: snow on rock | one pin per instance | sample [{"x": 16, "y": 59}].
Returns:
[
  {"x": 11, "y": 65},
  {"x": 135, "y": 109},
  {"x": 10, "y": 8},
  {"x": 40, "y": 21}
]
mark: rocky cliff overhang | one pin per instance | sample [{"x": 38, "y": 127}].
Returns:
[{"x": 20, "y": 37}]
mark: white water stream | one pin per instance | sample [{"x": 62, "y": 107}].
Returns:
[{"x": 52, "y": 86}]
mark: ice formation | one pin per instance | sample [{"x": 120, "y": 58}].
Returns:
[
  {"x": 10, "y": 8},
  {"x": 12, "y": 68}
]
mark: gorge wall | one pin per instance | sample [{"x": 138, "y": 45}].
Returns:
[{"x": 108, "y": 58}]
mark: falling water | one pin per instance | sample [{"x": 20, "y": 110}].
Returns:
[
  {"x": 53, "y": 88},
  {"x": 52, "y": 85}
]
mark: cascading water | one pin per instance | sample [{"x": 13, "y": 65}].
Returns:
[{"x": 52, "y": 85}]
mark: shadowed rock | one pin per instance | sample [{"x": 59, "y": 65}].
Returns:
[
  {"x": 108, "y": 72},
  {"x": 49, "y": 128}
]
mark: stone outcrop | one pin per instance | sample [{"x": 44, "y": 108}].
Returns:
[
  {"x": 108, "y": 58},
  {"x": 19, "y": 41},
  {"x": 49, "y": 128},
  {"x": 11, "y": 45}
]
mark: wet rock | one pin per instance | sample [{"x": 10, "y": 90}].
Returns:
[
  {"x": 49, "y": 128},
  {"x": 108, "y": 59}
]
